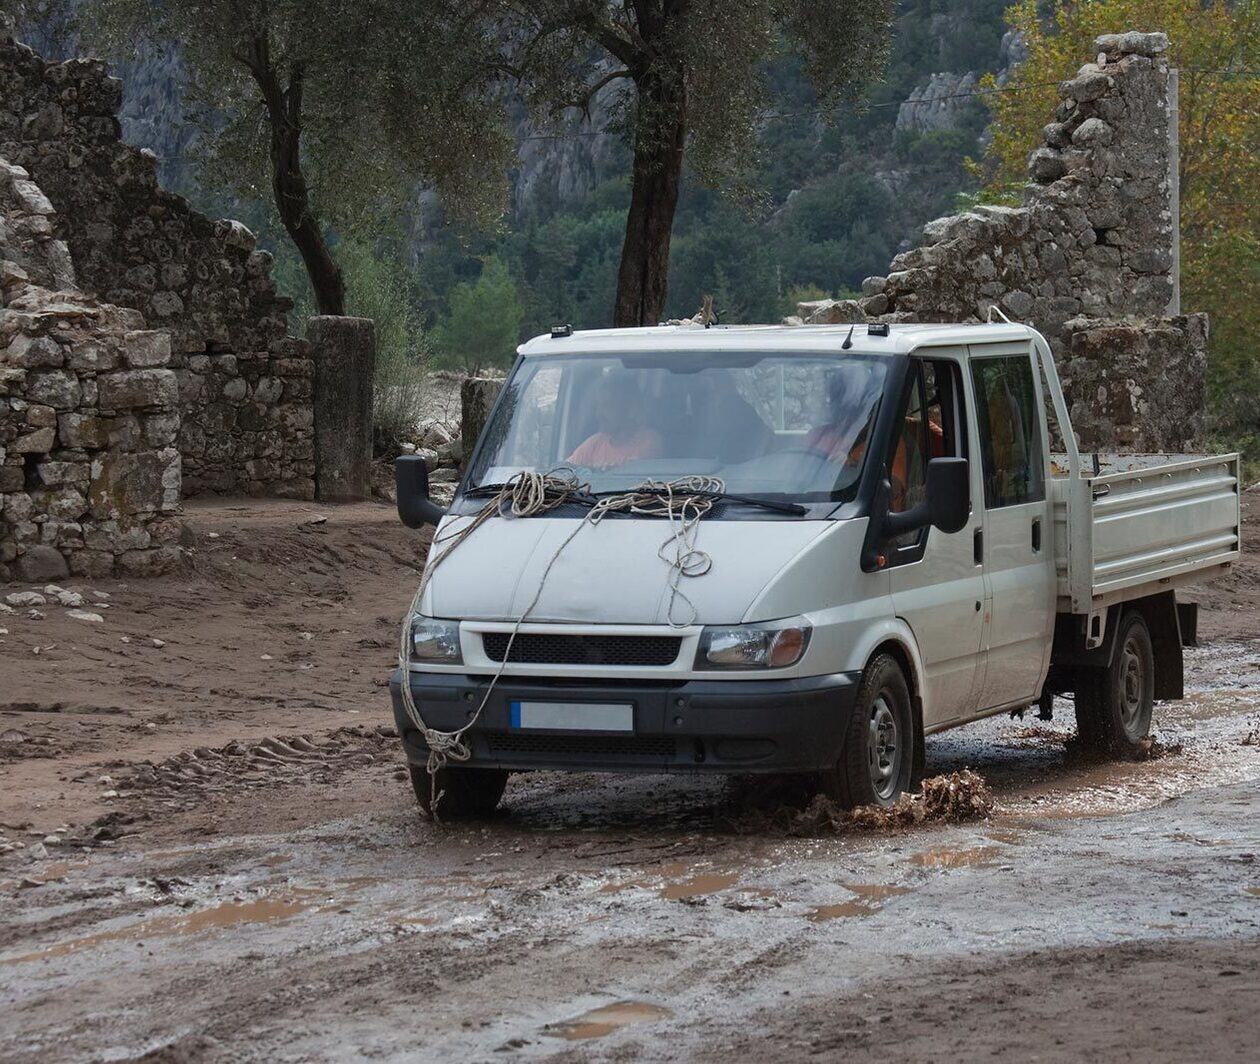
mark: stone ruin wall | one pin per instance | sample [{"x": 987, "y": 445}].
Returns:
[
  {"x": 245, "y": 385},
  {"x": 1088, "y": 259},
  {"x": 89, "y": 414}
]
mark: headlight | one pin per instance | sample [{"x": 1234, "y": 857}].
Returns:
[
  {"x": 773, "y": 645},
  {"x": 434, "y": 640}
]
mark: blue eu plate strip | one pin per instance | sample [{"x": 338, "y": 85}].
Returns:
[{"x": 514, "y": 708}]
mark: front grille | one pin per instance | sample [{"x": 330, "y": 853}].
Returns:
[
  {"x": 535, "y": 648},
  {"x": 581, "y": 745}
]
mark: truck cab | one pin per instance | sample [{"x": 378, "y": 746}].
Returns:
[{"x": 887, "y": 549}]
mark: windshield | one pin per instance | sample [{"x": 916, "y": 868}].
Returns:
[{"x": 775, "y": 426}]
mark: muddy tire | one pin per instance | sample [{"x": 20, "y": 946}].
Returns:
[
  {"x": 462, "y": 793},
  {"x": 876, "y": 763},
  {"x": 1114, "y": 705}
]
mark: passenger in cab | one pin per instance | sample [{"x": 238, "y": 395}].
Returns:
[{"x": 624, "y": 436}]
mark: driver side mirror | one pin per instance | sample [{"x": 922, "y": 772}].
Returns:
[
  {"x": 411, "y": 479},
  {"x": 949, "y": 493},
  {"x": 947, "y": 506}
]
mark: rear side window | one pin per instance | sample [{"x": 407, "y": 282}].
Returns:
[{"x": 1010, "y": 433}]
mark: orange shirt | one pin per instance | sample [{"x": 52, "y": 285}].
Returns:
[
  {"x": 600, "y": 451},
  {"x": 826, "y": 440}
]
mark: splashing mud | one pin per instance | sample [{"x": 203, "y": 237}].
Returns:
[{"x": 953, "y": 798}]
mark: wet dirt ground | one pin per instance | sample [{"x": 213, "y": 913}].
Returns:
[{"x": 211, "y": 854}]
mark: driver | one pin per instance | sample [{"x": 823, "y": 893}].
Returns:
[
  {"x": 845, "y": 436},
  {"x": 624, "y": 437}
]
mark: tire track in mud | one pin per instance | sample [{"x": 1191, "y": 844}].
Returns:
[{"x": 194, "y": 776}]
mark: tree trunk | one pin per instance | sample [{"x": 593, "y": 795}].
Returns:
[
  {"x": 288, "y": 183},
  {"x": 643, "y": 279}
]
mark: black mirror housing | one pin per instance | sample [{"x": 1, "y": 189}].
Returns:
[
  {"x": 411, "y": 480},
  {"x": 949, "y": 493}
]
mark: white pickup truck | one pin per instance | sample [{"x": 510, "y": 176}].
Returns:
[{"x": 891, "y": 550}]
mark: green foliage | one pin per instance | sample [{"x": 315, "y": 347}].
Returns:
[
  {"x": 483, "y": 324},
  {"x": 379, "y": 287},
  {"x": 385, "y": 96}
]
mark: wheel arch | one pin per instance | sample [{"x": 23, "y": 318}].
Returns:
[{"x": 900, "y": 650}]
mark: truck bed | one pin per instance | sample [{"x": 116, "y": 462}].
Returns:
[{"x": 1143, "y": 524}]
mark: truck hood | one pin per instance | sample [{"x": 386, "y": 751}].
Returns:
[{"x": 610, "y": 573}]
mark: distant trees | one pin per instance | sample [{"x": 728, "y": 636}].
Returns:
[
  {"x": 690, "y": 82},
  {"x": 340, "y": 107},
  {"x": 483, "y": 325}
]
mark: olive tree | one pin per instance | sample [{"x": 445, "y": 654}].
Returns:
[
  {"x": 688, "y": 81},
  {"x": 342, "y": 107}
]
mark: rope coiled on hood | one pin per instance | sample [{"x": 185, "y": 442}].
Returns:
[{"x": 683, "y": 502}]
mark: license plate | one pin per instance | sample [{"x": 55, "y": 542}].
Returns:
[{"x": 573, "y": 716}]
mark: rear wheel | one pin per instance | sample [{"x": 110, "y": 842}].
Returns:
[
  {"x": 877, "y": 760},
  {"x": 1114, "y": 705},
  {"x": 461, "y": 792}
]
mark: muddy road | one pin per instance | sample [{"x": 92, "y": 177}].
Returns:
[{"x": 208, "y": 851}]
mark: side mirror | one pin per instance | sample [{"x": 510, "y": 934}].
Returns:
[
  {"x": 411, "y": 479},
  {"x": 949, "y": 493}
]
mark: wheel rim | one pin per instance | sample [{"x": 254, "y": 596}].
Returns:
[
  {"x": 885, "y": 749},
  {"x": 1132, "y": 690}
]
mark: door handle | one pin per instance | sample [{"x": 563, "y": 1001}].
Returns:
[
  {"x": 1036, "y": 535},
  {"x": 977, "y": 546}
]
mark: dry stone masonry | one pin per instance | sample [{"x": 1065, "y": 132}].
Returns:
[
  {"x": 1088, "y": 258},
  {"x": 244, "y": 384},
  {"x": 89, "y": 415}
]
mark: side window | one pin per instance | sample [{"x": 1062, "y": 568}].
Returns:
[
  {"x": 1010, "y": 433},
  {"x": 908, "y": 469},
  {"x": 929, "y": 429}
]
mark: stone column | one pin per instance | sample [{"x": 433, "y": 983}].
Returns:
[
  {"x": 344, "y": 353},
  {"x": 476, "y": 399}
]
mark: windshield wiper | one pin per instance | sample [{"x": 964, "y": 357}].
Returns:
[
  {"x": 793, "y": 508},
  {"x": 482, "y": 491}
]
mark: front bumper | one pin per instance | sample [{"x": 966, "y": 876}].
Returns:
[{"x": 731, "y": 726}]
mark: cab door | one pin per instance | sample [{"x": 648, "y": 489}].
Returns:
[
  {"x": 937, "y": 583},
  {"x": 1017, "y": 533}
]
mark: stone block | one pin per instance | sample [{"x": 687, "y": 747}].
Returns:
[
  {"x": 40, "y": 441},
  {"x": 1132, "y": 43},
  {"x": 130, "y": 389},
  {"x": 93, "y": 564},
  {"x": 127, "y": 483},
  {"x": 40, "y": 417},
  {"x": 147, "y": 348},
  {"x": 41, "y": 564},
  {"x": 53, "y": 387},
  {"x": 155, "y": 562},
  {"x": 83, "y": 431},
  {"x": 36, "y": 352},
  {"x": 55, "y": 473}
]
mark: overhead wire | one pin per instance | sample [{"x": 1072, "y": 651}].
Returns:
[{"x": 777, "y": 116}]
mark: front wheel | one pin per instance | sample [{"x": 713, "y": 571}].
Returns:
[
  {"x": 877, "y": 760},
  {"x": 1114, "y": 705},
  {"x": 461, "y": 792}
]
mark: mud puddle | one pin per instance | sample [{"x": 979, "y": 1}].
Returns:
[
  {"x": 869, "y": 898},
  {"x": 968, "y": 857},
  {"x": 230, "y": 914},
  {"x": 603, "y": 1021}
]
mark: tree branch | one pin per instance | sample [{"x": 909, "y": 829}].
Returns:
[{"x": 583, "y": 103}]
